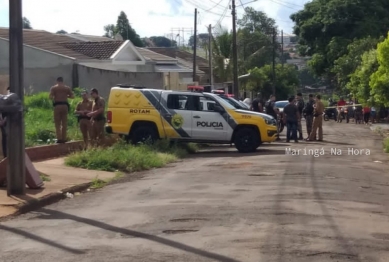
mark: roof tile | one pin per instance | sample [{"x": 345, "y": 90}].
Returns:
[
  {"x": 98, "y": 50},
  {"x": 46, "y": 41}
]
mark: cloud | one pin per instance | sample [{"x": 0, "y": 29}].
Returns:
[{"x": 147, "y": 17}]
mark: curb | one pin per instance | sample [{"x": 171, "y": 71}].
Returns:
[{"x": 45, "y": 200}]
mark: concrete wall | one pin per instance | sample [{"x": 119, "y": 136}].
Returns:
[
  {"x": 41, "y": 68},
  {"x": 103, "y": 80}
]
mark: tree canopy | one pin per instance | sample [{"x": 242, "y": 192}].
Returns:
[
  {"x": 326, "y": 27},
  {"x": 26, "y": 23},
  {"x": 162, "y": 41},
  {"x": 286, "y": 84},
  {"x": 123, "y": 28}
]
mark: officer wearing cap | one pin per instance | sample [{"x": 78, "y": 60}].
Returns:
[
  {"x": 83, "y": 108},
  {"x": 97, "y": 117}
]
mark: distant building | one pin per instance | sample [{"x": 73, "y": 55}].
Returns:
[{"x": 288, "y": 39}]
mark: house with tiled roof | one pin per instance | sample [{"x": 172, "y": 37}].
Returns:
[
  {"x": 92, "y": 62},
  {"x": 186, "y": 58}
]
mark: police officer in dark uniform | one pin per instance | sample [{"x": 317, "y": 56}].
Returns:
[
  {"x": 272, "y": 110},
  {"x": 308, "y": 113},
  {"x": 257, "y": 104},
  {"x": 300, "y": 106}
]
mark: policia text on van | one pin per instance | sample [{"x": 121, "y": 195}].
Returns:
[{"x": 149, "y": 114}]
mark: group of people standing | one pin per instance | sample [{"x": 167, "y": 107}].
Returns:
[
  {"x": 292, "y": 114},
  {"x": 90, "y": 113}
]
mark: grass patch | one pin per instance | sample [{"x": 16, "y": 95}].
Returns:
[
  {"x": 128, "y": 158},
  {"x": 99, "y": 183},
  {"x": 44, "y": 177}
]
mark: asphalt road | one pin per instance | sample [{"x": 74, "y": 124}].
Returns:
[{"x": 224, "y": 206}]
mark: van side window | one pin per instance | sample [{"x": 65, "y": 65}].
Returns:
[{"x": 177, "y": 102}]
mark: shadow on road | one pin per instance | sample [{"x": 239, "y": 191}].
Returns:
[
  {"x": 330, "y": 220},
  {"x": 52, "y": 214},
  {"x": 234, "y": 153},
  {"x": 40, "y": 239}
]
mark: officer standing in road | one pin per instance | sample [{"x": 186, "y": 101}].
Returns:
[
  {"x": 317, "y": 120},
  {"x": 59, "y": 94},
  {"x": 257, "y": 104},
  {"x": 272, "y": 110},
  {"x": 300, "y": 106},
  {"x": 97, "y": 117},
  {"x": 308, "y": 114},
  {"x": 83, "y": 108}
]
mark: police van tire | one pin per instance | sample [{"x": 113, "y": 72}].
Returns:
[
  {"x": 246, "y": 140},
  {"x": 144, "y": 134}
]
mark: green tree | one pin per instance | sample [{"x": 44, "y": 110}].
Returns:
[
  {"x": 254, "y": 20},
  {"x": 202, "y": 39},
  {"x": 222, "y": 53},
  {"x": 124, "y": 28},
  {"x": 109, "y": 30},
  {"x": 379, "y": 80},
  {"x": 161, "y": 41},
  {"x": 345, "y": 65},
  {"x": 254, "y": 50},
  {"x": 61, "y": 32},
  {"x": 255, "y": 40},
  {"x": 26, "y": 23},
  {"x": 307, "y": 78},
  {"x": 286, "y": 83},
  {"x": 359, "y": 84},
  {"x": 326, "y": 28}
]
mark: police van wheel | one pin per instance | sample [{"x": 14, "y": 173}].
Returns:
[
  {"x": 246, "y": 140},
  {"x": 144, "y": 134}
]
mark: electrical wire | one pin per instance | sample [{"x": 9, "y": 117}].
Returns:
[
  {"x": 284, "y": 4},
  {"x": 201, "y": 7},
  {"x": 218, "y": 23},
  {"x": 216, "y": 4}
]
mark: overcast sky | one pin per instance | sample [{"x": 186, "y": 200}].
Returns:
[{"x": 147, "y": 17}]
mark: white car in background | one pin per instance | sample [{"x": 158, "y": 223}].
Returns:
[{"x": 281, "y": 104}]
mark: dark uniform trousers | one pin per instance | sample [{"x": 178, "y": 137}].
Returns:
[
  {"x": 309, "y": 122},
  {"x": 61, "y": 121}
]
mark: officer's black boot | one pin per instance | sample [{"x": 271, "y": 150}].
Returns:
[{"x": 301, "y": 136}]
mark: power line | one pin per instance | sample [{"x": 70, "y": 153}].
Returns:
[
  {"x": 284, "y": 4},
  {"x": 202, "y": 8},
  {"x": 224, "y": 14},
  {"x": 216, "y": 4}
]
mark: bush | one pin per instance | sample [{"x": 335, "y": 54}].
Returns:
[{"x": 128, "y": 158}]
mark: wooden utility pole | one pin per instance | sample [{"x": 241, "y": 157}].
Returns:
[
  {"x": 235, "y": 51},
  {"x": 195, "y": 45},
  {"x": 16, "y": 179},
  {"x": 274, "y": 61},
  {"x": 210, "y": 55},
  {"x": 282, "y": 48}
]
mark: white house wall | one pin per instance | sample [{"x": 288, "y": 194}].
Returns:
[
  {"x": 103, "y": 80},
  {"x": 41, "y": 67},
  {"x": 127, "y": 54}
]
